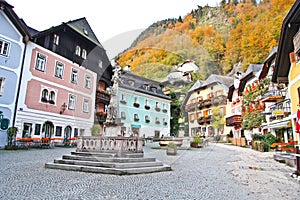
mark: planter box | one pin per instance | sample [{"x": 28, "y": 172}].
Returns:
[{"x": 171, "y": 151}]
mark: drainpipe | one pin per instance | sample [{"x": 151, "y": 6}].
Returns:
[{"x": 25, "y": 40}]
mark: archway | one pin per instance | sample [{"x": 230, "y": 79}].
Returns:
[{"x": 48, "y": 129}]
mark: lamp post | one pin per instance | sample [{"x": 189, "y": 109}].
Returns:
[{"x": 63, "y": 108}]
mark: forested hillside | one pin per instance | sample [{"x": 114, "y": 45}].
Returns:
[{"x": 215, "y": 38}]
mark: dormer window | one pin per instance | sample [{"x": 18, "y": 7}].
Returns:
[
  {"x": 77, "y": 50},
  {"x": 146, "y": 87},
  {"x": 154, "y": 89},
  {"x": 131, "y": 82},
  {"x": 56, "y": 39}
]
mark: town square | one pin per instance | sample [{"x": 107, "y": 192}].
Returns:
[{"x": 205, "y": 105}]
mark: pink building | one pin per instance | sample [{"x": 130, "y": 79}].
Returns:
[{"x": 57, "y": 96}]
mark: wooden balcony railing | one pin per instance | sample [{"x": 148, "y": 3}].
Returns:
[{"x": 234, "y": 120}]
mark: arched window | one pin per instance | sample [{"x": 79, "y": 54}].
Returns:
[
  {"x": 44, "y": 95},
  {"x": 77, "y": 50}
]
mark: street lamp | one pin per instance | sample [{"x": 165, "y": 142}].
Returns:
[{"x": 63, "y": 108}]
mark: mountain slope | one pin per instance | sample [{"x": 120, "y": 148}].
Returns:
[{"x": 214, "y": 37}]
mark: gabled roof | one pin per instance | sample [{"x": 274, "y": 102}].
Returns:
[
  {"x": 81, "y": 26},
  {"x": 214, "y": 78},
  {"x": 290, "y": 27},
  {"x": 267, "y": 63},
  {"x": 8, "y": 10},
  {"x": 252, "y": 71}
]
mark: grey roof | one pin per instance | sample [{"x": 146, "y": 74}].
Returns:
[
  {"x": 254, "y": 68},
  {"x": 274, "y": 51},
  {"x": 139, "y": 83},
  {"x": 214, "y": 78},
  {"x": 196, "y": 85}
]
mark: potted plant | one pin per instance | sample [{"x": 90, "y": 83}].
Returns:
[
  {"x": 171, "y": 149},
  {"x": 196, "y": 142}
]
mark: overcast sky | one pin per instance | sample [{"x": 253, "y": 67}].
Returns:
[{"x": 116, "y": 23}]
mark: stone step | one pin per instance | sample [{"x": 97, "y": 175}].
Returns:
[
  {"x": 109, "y": 164},
  {"x": 108, "y": 159},
  {"x": 106, "y": 154},
  {"x": 104, "y": 170}
]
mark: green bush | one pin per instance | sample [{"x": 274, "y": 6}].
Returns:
[
  {"x": 257, "y": 137},
  {"x": 197, "y": 139},
  {"x": 171, "y": 145},
  {"x": 269, "y": 139}
]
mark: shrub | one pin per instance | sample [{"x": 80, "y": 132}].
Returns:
[
  {"x": 171, "y": 145},
  {"x": 269, "y": 139},
  {"x": 257, "y": 137},
  {"x": 197, "y": 139}
]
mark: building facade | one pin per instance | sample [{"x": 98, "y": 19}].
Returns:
[
  {"x": 57, "y": 96},
  {"x": 143, "y": 108},
  {"x": 201, "y": 102},
  {"x": 13, "y": 39}
]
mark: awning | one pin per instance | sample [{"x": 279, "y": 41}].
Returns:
[
  {"x": 284, "y": 124},
  {"x": 135, "y": 126}
]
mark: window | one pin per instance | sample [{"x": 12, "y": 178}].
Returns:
[
  {"x": 72, "y": 102},
  {"x": 123, "y": 115},
  {"x": 136, "y": 102},
  {"x": 4, "y": 47},
  {"x": 44, "y": 97},
  {"x": 56, "y": 39},
  {"x": 2, "y": 81},
  {"x": 87, "y": 82},
  {"x": 157, "y": 108},
  {"x": 59, "y": 69},
  {"x": 77, "y": 50},
  {"x": 157, "y": 120},
  {"x": 40, "y": 63},
  {"x": 146, "y": 86},
  {"x": 123, "y": 98},
  {"x": 136, "y": 117},
  {"x": 147, "y": 119},
  {"x": 74, "y": 76},
  {"x": 83, "y": 55},
  {"x": 154, "y": 89},
  {"x": 131, "y": 82},
  {"x": 52, "y": 97},
  {"x": 86, "y": 32},
  {"x": 37, "y": 129},
  {"x": 209, "y": 112},
  {"x": 58, "y": 131},
  {"x": 85, "y": 106},
  {"x": 75, "y": 132}
]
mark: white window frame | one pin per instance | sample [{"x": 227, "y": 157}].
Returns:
[
  {"x": 83, "y": 54},
  {"x": 4, "y": 47},
  {"x": 88, "y": 82},
  {"x": 2, "y": 83},
  {"x": 59, "y": 69},
  {"x": 72, "y": 102},
  {"x": 86, "y": 105},
  {"x": 74, "y": 76},
  {"x": 56, "y": 39},
  {"x": 40, "y": 62},
  {"x": 77, "y": 50}
]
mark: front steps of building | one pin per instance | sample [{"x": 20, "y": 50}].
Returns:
[{"x": 108, "y": 163}]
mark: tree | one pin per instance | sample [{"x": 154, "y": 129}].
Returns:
[
  {"x": 11, "y": 134},
  {"x": 96, "y": 129},
  {"x": 175, "y": 113}
]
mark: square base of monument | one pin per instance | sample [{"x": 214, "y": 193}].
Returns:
[{"x": 113, "y": 131}]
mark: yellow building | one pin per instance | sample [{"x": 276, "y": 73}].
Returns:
[{"x": 287, "y": 67}]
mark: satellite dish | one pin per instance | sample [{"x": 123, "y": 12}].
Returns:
[{"x": 236, "y": 83}]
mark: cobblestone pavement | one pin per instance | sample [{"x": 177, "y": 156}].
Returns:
[{"x": 204, "y": 173}]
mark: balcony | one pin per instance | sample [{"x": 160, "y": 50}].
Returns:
[
  {"x": 273, "y": 96},
  {"x": 235, "y": 120},
  {"x": 219, "y": 100},
  {"x": 191, "y": 107},
  {"x": 204, "y": 120},
  {"x": 207, "y": 103},
  {"x": 102, "y": 96}
]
